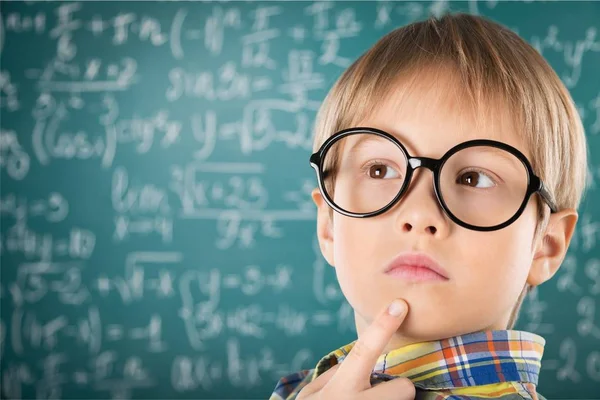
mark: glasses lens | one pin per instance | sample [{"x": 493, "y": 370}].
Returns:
[
  {"x": 363, "y": 172},
  {"x": 483, "y": 185}
]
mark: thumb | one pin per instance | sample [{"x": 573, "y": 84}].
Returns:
[
  {"x": 318, "y": 383},
  {"x": 396, "y": 389}
]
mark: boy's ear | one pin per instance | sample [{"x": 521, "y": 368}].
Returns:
[
  {"x": 324, "y": 226},
  {"x": 552, "y": 247}
]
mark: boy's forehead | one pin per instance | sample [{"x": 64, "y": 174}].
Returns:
[{"x": 430, "y": 116}]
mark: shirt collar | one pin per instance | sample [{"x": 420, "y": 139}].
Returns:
[{"x": 466, "y": 360}]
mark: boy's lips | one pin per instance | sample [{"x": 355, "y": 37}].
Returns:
[{"x": 416, "y": 266}]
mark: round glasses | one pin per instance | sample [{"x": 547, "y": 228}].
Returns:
[{"x": 481, "y": 184}]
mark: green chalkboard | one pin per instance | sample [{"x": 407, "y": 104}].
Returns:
[{"x": 157, "y": 233}]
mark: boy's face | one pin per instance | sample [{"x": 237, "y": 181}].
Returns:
[{"x": 487, "y": 271}]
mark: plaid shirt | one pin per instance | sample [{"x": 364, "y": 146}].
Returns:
[{"x": 499, "y": 364}]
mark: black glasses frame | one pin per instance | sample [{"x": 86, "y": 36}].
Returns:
[{"x": 534, "y": 183}]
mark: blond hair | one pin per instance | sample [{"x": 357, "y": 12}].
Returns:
[{"x": 491, "y": 63}]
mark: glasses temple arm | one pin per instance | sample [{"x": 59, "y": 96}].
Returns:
[{"x": 547, "y": 198}]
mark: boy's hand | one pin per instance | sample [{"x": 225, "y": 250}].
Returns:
[{"x": 351, "y": 379}]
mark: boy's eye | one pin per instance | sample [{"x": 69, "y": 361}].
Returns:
[
  {"x": 474, "y": 179},
  {"x": 382, "y": 171}
]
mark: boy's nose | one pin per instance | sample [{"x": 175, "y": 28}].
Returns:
[{"x": 418, "y": 210}]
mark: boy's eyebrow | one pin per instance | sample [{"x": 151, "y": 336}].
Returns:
[
  {"x": 512, "y": 160},
  {"x": 372, "y": 137},
  {"x": 500, "y": 152},
  {"x": 360, "y": 142}
]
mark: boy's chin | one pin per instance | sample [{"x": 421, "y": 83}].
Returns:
[
  {"x": 422, "y": 328},
  {"x": 426, "y": 322}
]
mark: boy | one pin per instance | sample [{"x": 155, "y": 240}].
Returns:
[{"x": 476, "y": 105}]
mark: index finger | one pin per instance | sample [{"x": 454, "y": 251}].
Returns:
[{"x": 357, "y": 367}]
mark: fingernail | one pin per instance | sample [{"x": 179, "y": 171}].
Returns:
[{"x": 396, "y": 308}]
